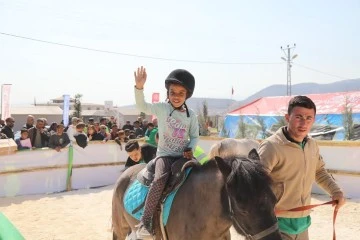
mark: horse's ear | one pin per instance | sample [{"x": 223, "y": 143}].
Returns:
[
  {"x": 225, "y": 169},
  {"x": 253, "y": 154}
]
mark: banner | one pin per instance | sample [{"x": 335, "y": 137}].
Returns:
[
  {"x": 155, "y": 97},
  {"x": 5, "y": 101},
  {"x": 66, "y": 110}
]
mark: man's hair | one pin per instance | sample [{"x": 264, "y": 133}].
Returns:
[
  {"x": 301, "y": 101},
  {"x": 150, "y": 125},
  {"x": 131, "y": 145},
  {"x": 60, "y": 126}
]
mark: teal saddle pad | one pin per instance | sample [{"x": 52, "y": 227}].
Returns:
[{"x": 136, "y": 194}]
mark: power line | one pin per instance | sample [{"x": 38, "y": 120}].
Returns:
[
  {"x": 318, "y": 71},
  {"x": 135, "y": 55}
]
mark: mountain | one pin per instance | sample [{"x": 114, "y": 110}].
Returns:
[{"x": 301, "y": 89}]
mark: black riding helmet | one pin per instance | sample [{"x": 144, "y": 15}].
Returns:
[{"x": 183, "y": 78}]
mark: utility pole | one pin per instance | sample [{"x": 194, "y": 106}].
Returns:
[{"x": 288, "y": 58}]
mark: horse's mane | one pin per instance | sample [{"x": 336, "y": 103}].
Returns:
[{"x": 249, "y": 180}]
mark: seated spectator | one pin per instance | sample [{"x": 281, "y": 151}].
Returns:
[
  {"x": 38, "y": 135},
  {"x": 103, "y": 132},
  {"x": 139, "y": 154},
  {"x": 93, "y": 135},
  {"x": 8, "y": 128},
  {"x": 151, "y": 139},
  {"x": 114, "y": 132},
  {"x": 59, "y": 139},
  {"x": 20, "y": 141}
]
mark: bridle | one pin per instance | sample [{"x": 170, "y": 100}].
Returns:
[{"x": 257, "y": 236}]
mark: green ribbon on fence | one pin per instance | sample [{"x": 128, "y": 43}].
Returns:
[
  {"x": 70, "y": 166},
  {"x": 8, "y": 230}
]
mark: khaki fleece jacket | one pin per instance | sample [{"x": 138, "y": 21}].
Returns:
[{"x": 293, "y": 171}]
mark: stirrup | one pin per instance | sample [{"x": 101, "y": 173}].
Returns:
[{"x": 142, "y": 232}]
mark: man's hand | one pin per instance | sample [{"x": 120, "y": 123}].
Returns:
[
  {"x": 339, "y": 196},
  {"x": 140, "y": 77}
]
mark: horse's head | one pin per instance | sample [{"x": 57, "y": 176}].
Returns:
[{"x": 249, "y": 199}]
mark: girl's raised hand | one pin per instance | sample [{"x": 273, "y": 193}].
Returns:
[{"x": 140, "y": 77}]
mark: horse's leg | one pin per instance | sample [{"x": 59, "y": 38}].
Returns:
[{"x": 119, "y": 224}]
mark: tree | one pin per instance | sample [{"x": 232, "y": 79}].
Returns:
[
  {"x": 203, "y": 119},
  {"x": 348, "y": 121},
  {"x": 241, "y": 133},
  {"x": 77, "y": 106}
]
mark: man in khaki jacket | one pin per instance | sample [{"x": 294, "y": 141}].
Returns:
[{"x": 294, "y": 163}]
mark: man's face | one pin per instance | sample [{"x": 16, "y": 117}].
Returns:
[
  {"x": 40, "y": 124},
  {"x": 300, "y": 122},
  {"x": 135, "y": 155},
  {"x": 10, "y": 123}
]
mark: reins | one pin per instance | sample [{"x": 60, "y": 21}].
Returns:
[{"x": 308, "y": 207}]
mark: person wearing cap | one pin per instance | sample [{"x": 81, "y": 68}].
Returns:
[
  {"x": 139, "y": 154},
  {"x": 60, "y": 139},
  {"x": 178, "y": 129}
]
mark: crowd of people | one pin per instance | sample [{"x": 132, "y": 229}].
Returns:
[{"x": 38, "y": 134}]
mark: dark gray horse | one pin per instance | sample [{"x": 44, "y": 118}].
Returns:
[{"x": 223, "y": 192}]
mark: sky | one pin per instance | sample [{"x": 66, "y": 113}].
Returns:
[{"x": 224, "y": 44}]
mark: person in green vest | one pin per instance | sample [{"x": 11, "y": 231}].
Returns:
[
  {"x": 293, "y": 160},
  {"x": 151, "y": 138},
  {"x": 200, "y": 155}
]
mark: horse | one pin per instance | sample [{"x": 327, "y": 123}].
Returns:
[{"x": 233, "y": 190}]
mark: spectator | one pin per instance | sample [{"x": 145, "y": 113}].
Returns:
[
  {"x": 2, "y": 123},
  {"x": 138, "y": 131},
  {"x": 151, "y": 139},
  {"x": 139, "y": 154},
  {"x": 97, "y": 127},
  {"x": 127, "y": 125},
  {"x": 59, "y": 139},
  {"x": 24, "y": 135},
  {"x": 71, "y": 131},
  {"x": 112, "y": 122},
  {"x": 38, "y": 135},
  {"x": 91, "y": 121},
  {"x": 93, "y": 135},
  {"x": 104, "y": 121},
  {"x": 114, "y": 132},
  {"x": 103, "y": 132},
  {"x": 121, "y": 138},
  {"x": 8, "y": 129},
  {"x": 53, "y": 128},
  {"x": 29, "y": 122}
]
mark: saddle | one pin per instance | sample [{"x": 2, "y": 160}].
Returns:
[{"x": 146, "y": 175}]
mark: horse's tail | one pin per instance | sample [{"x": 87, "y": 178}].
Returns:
[{"x": 119, "y": 224}]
